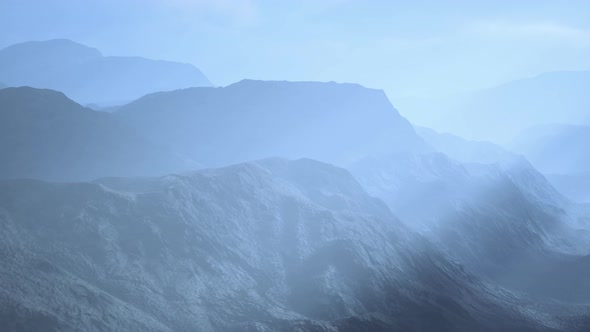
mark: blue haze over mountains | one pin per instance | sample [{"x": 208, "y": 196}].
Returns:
[
  {"x": 136, "y": 196},
  {"x": 87, "y": 76}
]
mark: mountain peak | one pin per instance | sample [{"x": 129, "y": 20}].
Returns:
[
  {"x": 26, "y": 97},
  {"x": 63, "y": 140},
  {"x": 249, "y": 120},
  {"x": 87, "y": 76},
  {"x": 54, "y": 48}
]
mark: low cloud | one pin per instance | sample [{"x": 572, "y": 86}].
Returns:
[
  {"x": 241, "y": 11},
  {"x": 533, "y": 30}
]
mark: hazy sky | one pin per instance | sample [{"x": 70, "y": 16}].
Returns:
[{"x": 408, "y": 48}]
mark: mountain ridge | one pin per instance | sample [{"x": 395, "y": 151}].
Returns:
[
  {"x": 46, "y": 135},
  {"x": 247, "y": 247},
  {"x": 87, "y": 76},
  {"x": 559, "y": 151},
  {"x": 332, "y": 122},
  {"x": 499, "y": 113}
]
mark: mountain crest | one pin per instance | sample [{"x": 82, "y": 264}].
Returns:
[{"x": 87, "y": 76}]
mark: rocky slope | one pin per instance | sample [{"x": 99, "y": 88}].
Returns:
[
  {"x": 504, "y": 220},
  {"x": 266, "y": 246},
  {"x": 45, "y": 135}
]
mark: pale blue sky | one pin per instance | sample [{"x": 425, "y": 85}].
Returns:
[{"x": 422, "y": 48}]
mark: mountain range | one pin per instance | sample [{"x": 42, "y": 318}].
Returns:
[
  {"x": 503, "y": 220},
  {"x": 167, "y": 214},
  {"x": 48, "y": 136},
  {"x": 464, "y": 150},
  {"x": 262, "y": 246},
  {"x": 85, "y": 75},
  {"x": 248, "y": 120},
  {"x": 45, "y": 135},
  {"x": 560, "y": 152},
  {"x": 498, "y": 114},
  {"x": 555, "y": 148}
]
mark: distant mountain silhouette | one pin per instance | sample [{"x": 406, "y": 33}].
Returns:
[
  {"x": 336, "y": 123},
  {"x": 43, "y": 134},
  {"x": 2, "y": 85},
  {"x": 561, "y": 152},
  {"x": 84, "y": 75},
  {"x": 500, "y": 113},
  {"x": 463, "y": 150},
  {"x": 556, "y": 148}
]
